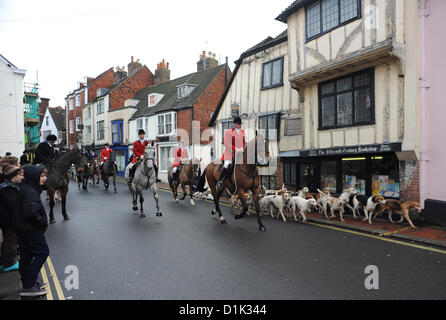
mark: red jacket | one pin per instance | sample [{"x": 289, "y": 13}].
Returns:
[
  {"x": 105, "y": 154},
  {"x": 178, "y": 154},
  {"x": 234, "y": 139},
  {"x": 139, "y": 149}
]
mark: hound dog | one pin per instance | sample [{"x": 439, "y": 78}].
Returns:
[
  {"x": 401, "y": 208},
  {"x": 303, "y": 205},
  {"x": 372, "y": 203},
  {"x": 332, "y": 203},
  {"x": 235, "y": 201},
  {"x": 275, "y": 202}
]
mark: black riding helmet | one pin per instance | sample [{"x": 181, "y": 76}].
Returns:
[
  {"x": 141, "y": 131},
  {"x": 238, "y": 120},
  {"x": 51, "y": 137}
]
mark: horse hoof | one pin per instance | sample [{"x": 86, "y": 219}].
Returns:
[
  {"x": 262, "y": 228},
  {"x": 192, "y": 203},
  {"x": 142, "y": 216},
  {"x": 239, "y": 217},
  {"x": 52, "y": 221},
  {"x": 177, "y": 201},
  {"x": 135, "y": 208},
  {"x": 66, "y": 218},
  {"x": 223, "y": 222},
  {"x": 159, "y": 214},
  {"x": 213, "y": 212}
]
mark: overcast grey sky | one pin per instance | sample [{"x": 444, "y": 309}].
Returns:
[{"x": 67, "y": 40}]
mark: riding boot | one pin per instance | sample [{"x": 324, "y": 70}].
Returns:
[
  {"x": 156, "y": 172},
  {"x": 222, "y": 178},
  {"x": 175, "y": 177}
]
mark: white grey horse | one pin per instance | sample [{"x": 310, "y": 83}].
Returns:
[{"x": 145, "y": 178}]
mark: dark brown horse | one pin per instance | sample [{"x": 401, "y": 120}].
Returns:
[
  {"x": 186, "y": 177},
  {"x": 94, "y": 171},
  {"x": 244, "y": 177},
  {"x": 58, "y": 179}
]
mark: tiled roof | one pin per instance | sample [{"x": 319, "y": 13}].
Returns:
[
  {"x": 58, "y": 115},
  {"x": 169, "y": 102}
]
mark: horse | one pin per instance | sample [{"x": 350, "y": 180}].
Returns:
[
  {"x": 94, "y": 171},
  {"x": 145, "y": 178},
  {"x": 83, "y": 173},
  {"x": 243, "y": 178},
  {"x": 187, "y": 177},
  {"x": 58, "y": 179},
  {"x": 109, "y": 169}
]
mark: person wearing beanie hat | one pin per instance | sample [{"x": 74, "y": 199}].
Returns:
[
  {"x": 10, "y": 205},
  {"x": 13, "y": 161},
  {"x": 30, "y": 225}
]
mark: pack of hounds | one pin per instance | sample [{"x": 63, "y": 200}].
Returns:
[{"x": 280, "y": 202}]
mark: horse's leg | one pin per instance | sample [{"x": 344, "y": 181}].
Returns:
[
  {"x": 191, "y": 193},
  {"x": 134, "y": 197},
  {"x": 217, "y": 206},
  {"x": 79, "y": 182},
  {"x": 64, "y": 203},
  {"x": 241, "y": 196},
  {"x": 114, "y": 183},
  {"x": 141, "y": 202},
  {"x": 154, "y": 190},
  {"x": 255, "y": 198},
  {"x": 175, "y": 192},
  {"x": 183, "y": 186},
  {"x": 52, "y": 202}
]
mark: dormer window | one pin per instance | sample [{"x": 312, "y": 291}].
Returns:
[
  {"x": 154, "y": 98},
  {"x": 185, "y": 90}
]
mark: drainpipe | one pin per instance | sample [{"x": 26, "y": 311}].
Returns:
[{"x": 423, "y": 85}]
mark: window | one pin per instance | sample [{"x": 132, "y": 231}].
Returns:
[
  {"x": 185, "y": 90},
  {"x": 71, "y": 126},
  {"x": 289, "y": 173},
  {"x": 167, "y": 124},
  {"x": 47, "y": 120},
  {"x": 326, "y": 15},
  {"x": 272, "y": 75},
  {"x": 269, "y": 126},
  {"x": 71, "y": 104},
  {"x": 293, "y": 127},
  {"x": 87, "y": 114},
  {"x": 100, "y": 130},
  {"x": 270, "y": 182},
  {"x": 385, "y": 176},
  {"x": 117, "y": 132},
  {"x": 224, "y": 127},
  {"x": 78, "y": 123},
  {"x": 152, "y": 100},
  {"x": 347, "y": 101},
  {"x": 100, "y": 107},
  {"x": 78, "y": 100},
  {"x": 46, "y": 134},
  {"x": 354, "y": 174}
]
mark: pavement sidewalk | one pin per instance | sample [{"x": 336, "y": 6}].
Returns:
[
  {"x": 424, "y": 234},
  {"x": 9, "y": 283}
]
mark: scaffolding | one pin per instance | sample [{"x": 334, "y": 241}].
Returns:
[{"x": 31, "y": 116}]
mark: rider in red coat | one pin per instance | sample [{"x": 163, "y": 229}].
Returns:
[
  {"x": 181, "y": 156},
  {"x": 105, "y": 155},
  {"x": 139, "y": 148},
  {"x": 234, "y": 141}
]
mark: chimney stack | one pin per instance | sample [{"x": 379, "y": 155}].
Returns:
[
  {"x": 162, "y": 73},
  {"x": 133, "y": 66},
  {"x": 206, "y": 62},
  {"x": 120, "y": 74}
]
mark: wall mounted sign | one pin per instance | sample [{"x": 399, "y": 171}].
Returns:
[{"x": 341, "y": 151}]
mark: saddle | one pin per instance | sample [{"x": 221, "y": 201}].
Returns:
[{"x": 230, "y": 168}]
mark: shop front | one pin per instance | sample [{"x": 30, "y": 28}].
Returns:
[{"x": 371, "y": 170}]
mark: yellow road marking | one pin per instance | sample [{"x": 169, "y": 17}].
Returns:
[
  {"x": 49, "y": 295},
  {"x": 55, "y": 280}
]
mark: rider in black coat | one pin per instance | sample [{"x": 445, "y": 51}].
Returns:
[{"x": 45, "y": 151}]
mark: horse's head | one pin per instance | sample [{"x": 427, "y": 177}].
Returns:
[
  {"x": 262, "y": 150},
  {"x": 195, "y": 166},
  {"x": 148, "y": 158},
  {"x": 79, "y": 159}
]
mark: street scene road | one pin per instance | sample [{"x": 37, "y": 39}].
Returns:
[{"x": 188, "y": 254}]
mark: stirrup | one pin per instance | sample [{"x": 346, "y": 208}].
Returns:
[{"x": 219, "y": 185}]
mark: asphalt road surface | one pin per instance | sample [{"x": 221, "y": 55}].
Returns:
[{"x": 187, "y": 254}]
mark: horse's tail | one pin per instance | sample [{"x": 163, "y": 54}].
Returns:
[{"x": 202, "y": 182}]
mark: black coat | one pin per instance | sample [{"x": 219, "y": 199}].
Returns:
[
  {"x": 32, "y": 217},
  {"x": 23, "y": 160},
  {"x": 44, "y": 153},
  {"x": 10, "y": 203}
]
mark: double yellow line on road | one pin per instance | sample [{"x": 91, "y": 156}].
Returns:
[{"x": 57, "y": 286}]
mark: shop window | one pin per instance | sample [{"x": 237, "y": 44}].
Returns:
[
  {"x": 328, "y": 176},
  {"x": 385, "y": 176},
  {"x": 289, "y": 173},
  {"x": 306, "y": 176},
  {"x": 270, "y": 182},
  {"x": 354, "y": 174}
]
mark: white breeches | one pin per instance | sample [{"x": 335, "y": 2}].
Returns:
[
  {"x": 227, "y": 163},
  {"x": 175, "y": 169}
]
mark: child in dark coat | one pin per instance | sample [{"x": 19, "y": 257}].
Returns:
[{"x": 30, "y": 225}]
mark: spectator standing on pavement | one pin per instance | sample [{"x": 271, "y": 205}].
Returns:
[
  {"x": 7, "y": 154},
  {"x": 24, "y": 158},
  {"x": 30, "y": 226},
  {"x": 10, "y": 205},
  {"x": 13, "y": 161}
]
